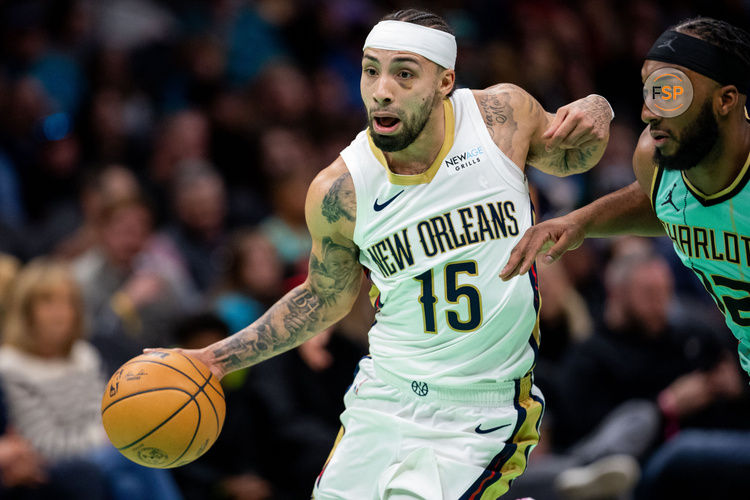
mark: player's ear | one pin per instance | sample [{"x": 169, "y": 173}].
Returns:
[
  {"x": 726, "y": 99},
  {"x": 447, "y": 80}
]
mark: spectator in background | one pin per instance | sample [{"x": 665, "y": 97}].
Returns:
[
  {"x": 198, "y": 231},
  {"x": 119, "y": 123},
  {"x": 564, "y": 322},
  {"x": 637, "y": 353},
  {"x": 565, "y": 319},
  {"x": 40, "y": 143},
  {"x": 183, "y": 136},
  {"x": 131, "y": 291},
  {"x": 24, "y": 475},
  {"x": 235, "y": 466},
  {"x": 286, "y": 227},
  {"x": 12, "y": 213},
  {"x": 9, "y": 267},
  {"x": 608, "y": 400},
  {"x": 616, "y": 168},
  {"x": 285, "y": 96},
  {"x": 53, "y": 382},
  {"x": 109, "y": 185},
  {"x": 720, "y": 455},
  {"x": 252, "y": 279}
]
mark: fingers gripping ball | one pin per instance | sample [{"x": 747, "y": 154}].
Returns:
[{"x": 163, "y": 409}]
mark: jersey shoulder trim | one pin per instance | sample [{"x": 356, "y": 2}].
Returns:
[
  {"x": 735, "y": 187},
  {"x": 655, "y": 182}
]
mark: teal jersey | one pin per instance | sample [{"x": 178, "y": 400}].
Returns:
[{"x": 711, "y": 235}]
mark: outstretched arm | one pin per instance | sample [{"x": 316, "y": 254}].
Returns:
[
  {"x": 626, "y": 211},
  {"x": 568, "y": 142},
  {"x": 327, "y": 294}
]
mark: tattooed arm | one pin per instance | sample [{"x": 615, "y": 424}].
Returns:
[
  {"x": 326, "y": 296},
  {"x": 625, "y": 211},
  {"x": 568, "y": 142}
]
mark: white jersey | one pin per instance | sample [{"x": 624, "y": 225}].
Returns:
[{"x": 434, "y": 244}]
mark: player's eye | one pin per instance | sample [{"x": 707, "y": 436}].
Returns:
[
  {"x": 370, "y": 71},
  {"x": 404, "y": 74}
]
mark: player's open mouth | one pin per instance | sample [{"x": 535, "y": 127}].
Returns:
[
  {"x": 385, "y": 124},
  {"x": 659, "y": 137}
]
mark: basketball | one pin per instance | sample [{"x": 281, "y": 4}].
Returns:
[{"x": 163, "y": 409}]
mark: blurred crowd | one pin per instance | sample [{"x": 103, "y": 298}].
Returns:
[{"x": 154, "y": 160}]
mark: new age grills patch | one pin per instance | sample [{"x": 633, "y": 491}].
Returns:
[{"x": 462, "y": 161}]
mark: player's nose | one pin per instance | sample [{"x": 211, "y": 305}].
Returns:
[
  {"x": 383, "y": 93},
  {"x": 648, "y": 116}
]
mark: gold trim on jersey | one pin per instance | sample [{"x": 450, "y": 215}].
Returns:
[
  {"x": 726, "y": 193},
  {"x": 655, "y": 181},
  {"x": 426, "y": 176},
  {"x": 525, "y": 438},
  {"x": 373, "y": 294},
  {"x": 330, "y": 456},
  {"x": 512, "y": 460}
]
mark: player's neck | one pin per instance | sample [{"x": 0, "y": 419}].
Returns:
[
  {"x": 420, "y": 154},
  {"x": 722, "y": 165}
]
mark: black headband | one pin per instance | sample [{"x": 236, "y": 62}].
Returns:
[{"x": 702, "y": 57}]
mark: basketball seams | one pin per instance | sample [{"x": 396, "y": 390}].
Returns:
[
  {"x": 163, "y": 422},
  {"x": 161, "y": 363},
  {"x": 218, "y": 391},
  {"x": 144, "y": 391},
  {"x": 210, "y": 375},
  {"x": 201, "y": 388},
  {"x": 208, "y": 382},
  {"x": 195, "y": 432},
  {"x": 192, "y": 398},
  {"x": 191, "y": 384},
  {"x": 219, "y": 422}
]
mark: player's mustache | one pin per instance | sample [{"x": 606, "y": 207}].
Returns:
[
  {"x": 390, "y": 111},
  {"x": 654, "y": 127}
]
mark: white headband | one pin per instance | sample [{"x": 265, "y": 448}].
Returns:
[{"x": 437, "y": 46}]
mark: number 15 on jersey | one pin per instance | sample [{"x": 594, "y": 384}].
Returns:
[{"x": 453, "y": 292}]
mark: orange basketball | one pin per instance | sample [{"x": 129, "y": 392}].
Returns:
[{"x": 163, "y": 409}]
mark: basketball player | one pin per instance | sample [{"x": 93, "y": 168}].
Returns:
[
  {"x": 692, "y": 173},
  {"x": 429, "y": 201}
]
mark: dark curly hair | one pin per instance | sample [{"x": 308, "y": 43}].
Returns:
[
  {"x": 420, "y": 17},
  {"x": 720, "y": 33}
]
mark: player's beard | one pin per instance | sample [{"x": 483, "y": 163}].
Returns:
[
  {"x": 698, "y": 139},
  {"x": 410, "y": 129}
]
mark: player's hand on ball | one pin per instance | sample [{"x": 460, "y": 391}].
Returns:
[
  {"x": 200, "y": 354},
  {"x": 164, "y": 408}
]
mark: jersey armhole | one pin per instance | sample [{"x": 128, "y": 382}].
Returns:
[
  {"x": 359, "y": 193},
  {"x": 477, "y": 122}
]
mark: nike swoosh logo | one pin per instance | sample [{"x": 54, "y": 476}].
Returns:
[
  {"x": 479, "y": 429},
  {"x": 380, "y": 206}
]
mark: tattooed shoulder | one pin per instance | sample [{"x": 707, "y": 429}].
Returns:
[
  {"x": 340, "y": 202},
  {"x": 497, "y": 112}
]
